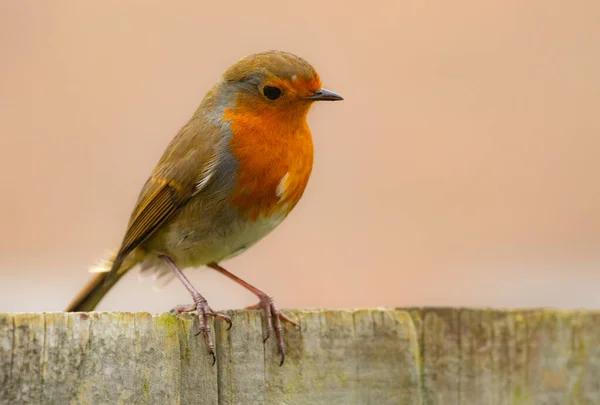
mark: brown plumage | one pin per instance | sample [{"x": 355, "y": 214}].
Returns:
[{"x": 228, "y": 178}]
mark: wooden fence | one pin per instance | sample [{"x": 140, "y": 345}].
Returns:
[{"x": 370, "y": 356}]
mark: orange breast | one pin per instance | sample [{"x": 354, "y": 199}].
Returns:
[{"x": 275, "y": 155}]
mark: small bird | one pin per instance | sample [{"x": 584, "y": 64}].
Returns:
[{"x": 227, "y": 179}]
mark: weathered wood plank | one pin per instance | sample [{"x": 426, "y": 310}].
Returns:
[
  {"x": 509, "y": 357},
  {"x": 439, "y": 346},
  {"x": 241, "y": 360},
  {"x": 6, "y": 356},
  {"x": 414, "y": 357},
  {"x": 339, "y": 357},
  {"x": 103, "y": 358},
  {"x": 347, "y": 357}
]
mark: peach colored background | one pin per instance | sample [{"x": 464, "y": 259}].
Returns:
[{"x": 462, "y": 168}]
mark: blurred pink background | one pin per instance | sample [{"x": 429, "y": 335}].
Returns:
[{"x": 462, "y": 168}]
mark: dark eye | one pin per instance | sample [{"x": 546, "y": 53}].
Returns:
[{"x": 272, "y": 93}]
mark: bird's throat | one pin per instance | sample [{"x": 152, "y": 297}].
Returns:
[{"x": 275, "y": 155}]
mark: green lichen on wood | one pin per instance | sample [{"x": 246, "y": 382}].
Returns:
[
  {"x": 420, "y": 356},
  {"x": 146, "y": 392}
]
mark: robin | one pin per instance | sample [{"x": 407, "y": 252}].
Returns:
[{"x": 227, "y": 179}]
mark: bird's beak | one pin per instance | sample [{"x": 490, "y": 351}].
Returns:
[{"x": 324, "y": 95}]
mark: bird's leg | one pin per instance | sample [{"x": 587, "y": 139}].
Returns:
[
  {"x": 273, "y": 316},
  {"x": 200, "y": 305}
]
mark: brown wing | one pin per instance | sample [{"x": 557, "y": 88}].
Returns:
[
  {"x": 161, "y": 203},
  {"x": 170, "y": 187}
]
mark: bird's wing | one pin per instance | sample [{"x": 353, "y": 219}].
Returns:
[{"x": 169, "y": 188}]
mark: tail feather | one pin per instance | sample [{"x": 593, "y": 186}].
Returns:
[
  {"x": 102, "y": 281},
  {"x": 105, "y": 264}
]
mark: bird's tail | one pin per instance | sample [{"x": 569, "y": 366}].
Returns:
[{"x": 100, "y": 284}]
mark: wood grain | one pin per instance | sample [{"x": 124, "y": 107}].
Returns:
[{"x": 420, "y": 356}]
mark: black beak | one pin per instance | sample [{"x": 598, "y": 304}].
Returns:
[{"x": 324, "y": 95}]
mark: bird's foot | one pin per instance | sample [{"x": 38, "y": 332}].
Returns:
[
  {"x": 200, "y": 306},
  {"x": 273, "y": 318}
]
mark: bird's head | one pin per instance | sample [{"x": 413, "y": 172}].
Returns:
[{"x": 274, "y": 82}]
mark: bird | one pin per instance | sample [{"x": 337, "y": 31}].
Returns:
[{"x": 230, "y": 176}]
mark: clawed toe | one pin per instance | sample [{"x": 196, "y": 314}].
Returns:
[
  {"x": 203, "y": 312},
  {"x": 273, "y": 318},
  {"x": 179, "y": 309}
]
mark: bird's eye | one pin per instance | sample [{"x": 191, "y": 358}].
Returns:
[{"x": 272, "y": 93}]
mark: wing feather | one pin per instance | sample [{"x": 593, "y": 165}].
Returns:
[
  {"x": 170, "y": 188},
  {"x": 149, "y": 217}
]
